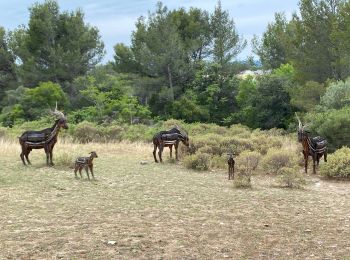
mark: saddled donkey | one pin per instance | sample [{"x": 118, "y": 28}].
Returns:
[
  {"x": 169, "y": 139},
  {"x": 316, "y": 147},
  {"x": 44, "y": 139}
]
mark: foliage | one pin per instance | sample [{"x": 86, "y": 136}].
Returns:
[
  {"x": 337, "y": 95},
  {"x": 306, "y": 97},
  {"x": 338, "y": 164},
  {"x": 56, "y": 46},
  {"x": 290, "y": 178},
  {"x": 198, "y": 161},
  {"x": 226, "y": 41},
  {"x": 271, "y": 48},
  {"x": 276, "y": 159},
  {"x": 242, "y": 179},
  {"x": 334, "y": 125}
]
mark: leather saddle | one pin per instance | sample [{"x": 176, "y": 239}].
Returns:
[
  {"x": 169, "y": 137},
  {"x": 37, "y": 137},
  {"x": 319, "y": 142}
]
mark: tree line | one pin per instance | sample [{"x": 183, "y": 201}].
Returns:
[{"x": 181, "y": 63}]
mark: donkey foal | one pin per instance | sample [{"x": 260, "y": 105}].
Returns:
[
  {"x": 231, "y": 166},
  {"x": 86, "y": 163}
]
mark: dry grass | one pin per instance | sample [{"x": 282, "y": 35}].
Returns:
[{"x": 161, "y": 211}]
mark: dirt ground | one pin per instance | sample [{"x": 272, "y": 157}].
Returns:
[{"x": 161, "y": 211}]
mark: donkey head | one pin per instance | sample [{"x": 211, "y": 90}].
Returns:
[
  {"x": 302, "y": 132},
  {"x": 62, "y": 120},
  {"x": 93, "y": 154},
  {"x": 185, "y": 140}
]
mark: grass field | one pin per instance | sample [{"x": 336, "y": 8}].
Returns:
[{"x": 161, "y": 211}]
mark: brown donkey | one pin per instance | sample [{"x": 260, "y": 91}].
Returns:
[{"x": 86, "y": 163}]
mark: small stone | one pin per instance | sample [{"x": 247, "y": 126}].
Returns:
[
  {"x": 111, "y": 242},
  {"x": 307, "y": 231},
  {"x": 143, "y": 162},
  {"x": 266, "y": 225}
]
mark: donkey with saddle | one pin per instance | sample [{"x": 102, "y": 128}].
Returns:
[
  {"x": 44, "y": 139},
  {"x": 169, "y": 139}
]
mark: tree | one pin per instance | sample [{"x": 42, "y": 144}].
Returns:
[
  {"x": 7, "y": 65},
  {"x": 272, "y": 48},
  {"x": 272, "y": 102},
  {"x": 226, "y": 41},
  {"x": 313, "y": 52},
  {"x": 56, "y": 46}
]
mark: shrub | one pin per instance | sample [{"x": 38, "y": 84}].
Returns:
[
  {"x": 65, "y": 159},
  {"x": 276, "y": 159},
  {"x": 290, "y": 178},
  {"x": 86, "y": 132},
  {"x": 249, "y": 159},
  {"x": 198, "y": 161},
  {"x": 338, "y": 164},
  {"x": 242, "y": 179},
  {"x": 3, "y": 132}
]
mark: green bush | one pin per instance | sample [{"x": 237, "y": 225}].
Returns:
[
  {"x": 334, "y": 125},
  {"x": 198, "y": 161},
  {"x": 275, "y": 159},
  {"x": 290, "y": 178},
  {"x": 64, "y": 159},
  {"x": 338, "y": 164},
  {"x": 86, "y": 132}
]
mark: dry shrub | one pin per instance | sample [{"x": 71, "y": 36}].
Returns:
[
  {"x": 249, "y": 160},
  {"x": 219, "y": 162},
  {"x": 235, "y": 144},
  {"x": 338, "y": 164},
  {"x": 3, "y": 132},
  {"x": 290, "y": 178},
  {"x": 242, "y": 179},
  {"x": 64, "y": 159},
  {"x": 198, "y": 161},
  {"x": 276, "y": 159}
]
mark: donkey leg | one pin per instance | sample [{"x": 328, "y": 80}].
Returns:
[
  {"x": 81, "y": 176},
  {"x": 325, "y": 156},
  {"x": 27, "y": 156},
  {"x": 171, "y": 151},
  {"x": 22, "y": 157},
  {"x": 50, "y": 154},
  {"x": 314, "y": 159},
  {"x": 75, "y": 172},
  {"x": 87, "y": 172},
  {"x": 176, "y": 151},
  {"x": 92, "y": 171},
  {"x": 160, "y": 148},
  {"x": 154, "y": 153},
  {"x": 306, "y": 163}
]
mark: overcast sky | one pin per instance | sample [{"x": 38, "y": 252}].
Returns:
[{"x": 116, "y": 18}]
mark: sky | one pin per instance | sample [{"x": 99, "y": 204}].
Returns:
[{"x": 116, "y": 18}]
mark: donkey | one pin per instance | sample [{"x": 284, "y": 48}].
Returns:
[
  {"x": 316, "y": 147},
  {"x": 231, "y": 166},
  {"x": 44, "y": 139},
  {"x": 169, "y": 139},
  {"x": 86, "y": 163}
]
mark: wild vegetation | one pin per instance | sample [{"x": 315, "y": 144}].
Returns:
[{"x": 181, "y": 64}]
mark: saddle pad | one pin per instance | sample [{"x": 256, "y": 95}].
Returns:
[
  {"x": 82, "y": 160},
  {"x": 36, "y": 137}
]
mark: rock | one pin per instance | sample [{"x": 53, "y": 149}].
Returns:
[
  {"x": 111, "y": 242},
  {"x": 143, "y": 162}
]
